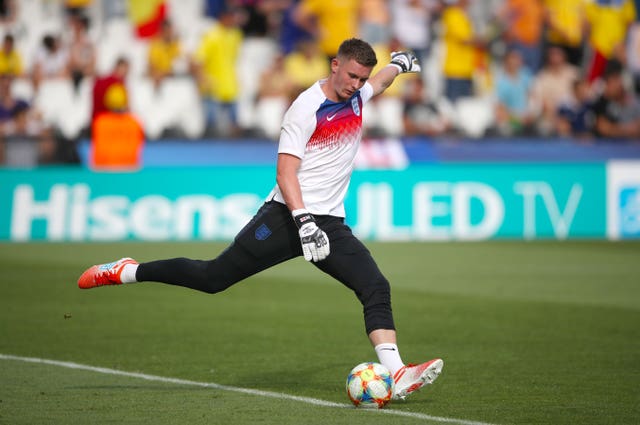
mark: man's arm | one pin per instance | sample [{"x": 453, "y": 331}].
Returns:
[
  {"x": 401, "y": 62},
  {"x": 314, "y": 241},
  {"x": 287, "y": 179},
  {"x": 383, "y": 79},
  {"x": 608, "y": 128}
]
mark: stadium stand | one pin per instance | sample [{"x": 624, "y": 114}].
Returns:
[{"x": 174, "y": 107}]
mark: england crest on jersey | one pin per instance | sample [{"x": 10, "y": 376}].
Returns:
[{"x": 355, "y": 106}]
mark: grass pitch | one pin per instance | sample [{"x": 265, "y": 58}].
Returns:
[{"x": 531, "y": 333}]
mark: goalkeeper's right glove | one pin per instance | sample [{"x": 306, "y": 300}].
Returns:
[
  {"x": 405, "y": 62},
  {"x": 315, "y": 243}
]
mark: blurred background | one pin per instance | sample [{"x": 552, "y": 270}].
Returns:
[{"x": 213, "y": 69}]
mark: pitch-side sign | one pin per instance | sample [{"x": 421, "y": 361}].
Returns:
[{"x": 440, "y": 202}]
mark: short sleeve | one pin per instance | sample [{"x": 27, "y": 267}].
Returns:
[
  {"x": 297, "y": 127},
  {"x": 366, "y": 92}
]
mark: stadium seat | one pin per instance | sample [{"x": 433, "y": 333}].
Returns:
[
  {"x": 390, "y": 110},
  {"x": 182, "y": 100},
  {"x": 117, "y": 40},
  {"x": 147, "y": 104},
  {"x": 62, "y": 107},
  {"x": 175, "y": 104},
  {"x": 269, "y": 114},
  {"x": 474, "y": 115},
  {"x": 256, "y": 55},
  {"x": 54, "y": 96},
  {"x": 78, "y": 115},
  {"x": 22, "y": 88},
  {"x": 188, "y": 21}
]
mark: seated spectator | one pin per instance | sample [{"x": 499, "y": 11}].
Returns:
[
  {"x": 513, "y": 85},
  {"x": 82, "y": 52},
  {"x": 8, "y": 104},
  {"x": 51, "y": 61},
  {"x": 19, "y": 121},
  {"x": 10, "y": 58},
  {"x": 552, "y": 86},
  {"x": 164, "y": 50},
  {"x": 305, "y": 65},
  {"x": 422, "y": 117},
  {"x": 617, "y": 112},
  {"x": 575, "y": 116}
]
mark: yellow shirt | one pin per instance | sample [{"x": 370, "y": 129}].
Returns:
[
  {"x": 459, "y": 61},
  {"x": 10, "y": 63},
  {"x": 337, "y": 21},
  {"x": 567, "y": 15},
  {"x": 78, "y": 3},
  {"x": 304, "y": 71},
  {"x": 162, "y": 55},
  {"x": 609, "y": 25},
  {"x": 218, "y": 54}
]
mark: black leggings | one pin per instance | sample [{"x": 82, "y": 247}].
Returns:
[{"x": 270, "y": 238}]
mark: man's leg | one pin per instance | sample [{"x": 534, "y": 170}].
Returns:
[
  {"x": 351, "y": 263},
  {"x": 269, "y": 238}
]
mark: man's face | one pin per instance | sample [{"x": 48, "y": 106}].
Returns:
[
  {"x": 614, "y": 87},
  {"x": 348, "y": 76}
]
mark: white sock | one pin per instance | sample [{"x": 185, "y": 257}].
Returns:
[
  {"x": 389, "y": 357},
  {"x": 128, "y": 274}
]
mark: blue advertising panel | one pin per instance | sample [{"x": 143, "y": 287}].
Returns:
[{"x": 427, "y": 202}]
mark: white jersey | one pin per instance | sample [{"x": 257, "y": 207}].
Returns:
[{"x": 325, "y": 135}]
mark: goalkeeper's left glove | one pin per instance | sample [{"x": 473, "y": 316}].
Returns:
[
  {"x": 314, "y": 241},
  {"x": 405, "y": 62}
]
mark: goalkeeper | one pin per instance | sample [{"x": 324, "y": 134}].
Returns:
[{"x": 304, "y": 213}]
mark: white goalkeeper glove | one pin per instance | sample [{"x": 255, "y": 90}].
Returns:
[
  {"x": 405, "y": 62},
  {"x": 315, "y": 243}
]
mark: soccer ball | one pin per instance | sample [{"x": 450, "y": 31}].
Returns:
[{"x": 370, "y": 385}]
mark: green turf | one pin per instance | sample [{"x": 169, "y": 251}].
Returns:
[{"x": 531, "y": 333}]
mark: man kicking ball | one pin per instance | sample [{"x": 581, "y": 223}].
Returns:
[{"x": 304, "y": 213}]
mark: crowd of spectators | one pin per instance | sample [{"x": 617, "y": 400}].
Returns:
[{"x": 537, "y": 68}]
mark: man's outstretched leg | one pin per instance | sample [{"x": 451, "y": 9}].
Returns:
[
  {"x": 269, "y": 238},
  {"x": 210, "y": 276}
]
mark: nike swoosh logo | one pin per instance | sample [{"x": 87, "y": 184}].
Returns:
[
  {"x": 330, "y": 117},
  {"x": 388, "y": 349}
]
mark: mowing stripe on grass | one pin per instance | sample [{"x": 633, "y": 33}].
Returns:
[{"x": 272, "y": 394}]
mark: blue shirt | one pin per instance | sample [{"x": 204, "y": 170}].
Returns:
[{"x": 514, "y": 92}]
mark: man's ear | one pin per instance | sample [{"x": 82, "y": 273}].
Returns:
[{"x": 334, "y": 65}]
